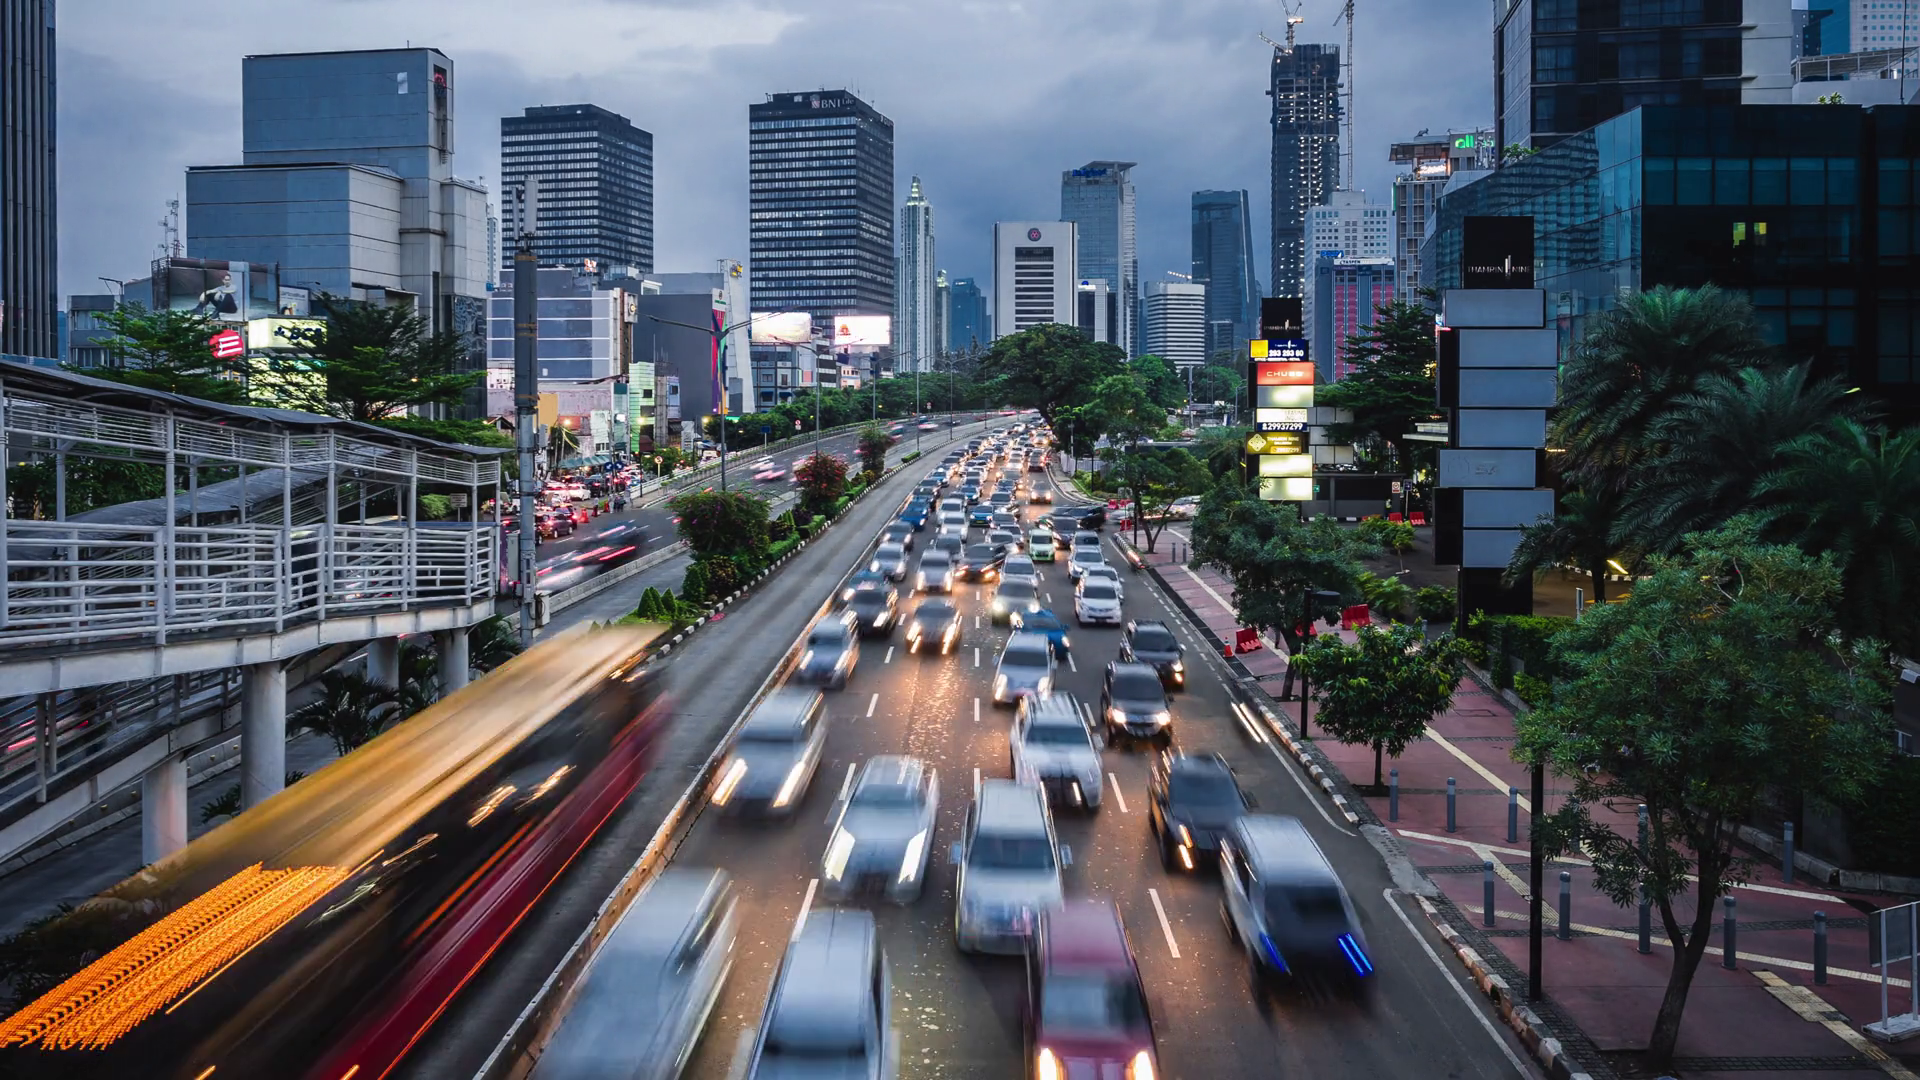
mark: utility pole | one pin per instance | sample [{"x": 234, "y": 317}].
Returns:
[{"x": 526, "y": 393}]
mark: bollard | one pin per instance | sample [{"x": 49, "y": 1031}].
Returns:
[
  {"x": 1819, "y": 948},
  {"x": 1393, "y": 794},
  {"x": 1513, "y": 815},
  {"x": 1486, "y": 891},
  {"x": 1729, "y": 953},
  {"x": 1646, "y": 921},
  {"x": 1786, "y": 853},
  {"x": 1452, "y": 824},
  {"x": 1565, "y": 930},
  {"x": 1643, "y": 834}
]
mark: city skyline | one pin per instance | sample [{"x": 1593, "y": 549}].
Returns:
[{"x": 997, "y": 157}]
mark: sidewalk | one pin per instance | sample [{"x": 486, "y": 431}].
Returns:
[{"x": 1764, "y": 1018}]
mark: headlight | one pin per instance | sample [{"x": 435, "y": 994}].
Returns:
[
  {"x": 874, "y": 566},
  {"x": 1065, "y": 643},
  {"x": 1048, "y": 1067},
  {"x": 806, "y": 658},
  {"x": 791, "y": 784},
  {"x": 920, "y": 580},
  {"x": 1178, "y": 666},
  {"x": 1161, "y": 718},
  {"x": 1045, "y": 686},
  {"x": 1185, "y": 836},
  {"x": 910, "y": 862},
  {"x": 1116, "y": 715},
  {"x": 999, "y": 604},
  {"x": 839, "y": 850},
  {"x": 1141, "y": 1067},
  {"x": 999, "y": 685},
  {"x": 729, "y": 780}
]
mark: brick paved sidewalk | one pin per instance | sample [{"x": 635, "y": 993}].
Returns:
[{"x": 1760, "y": 1019}]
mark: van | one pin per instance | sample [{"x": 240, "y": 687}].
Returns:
[{"x": 1286, "y": 907}]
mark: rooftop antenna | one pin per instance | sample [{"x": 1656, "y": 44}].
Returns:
[
  {"x": 1346, "y": 106},
  {"x": 170, "y": 246}
]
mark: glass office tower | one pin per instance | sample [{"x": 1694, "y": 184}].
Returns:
[
  {"x": 1098, "y": 197},
  {"x": 596, "y": 184}
]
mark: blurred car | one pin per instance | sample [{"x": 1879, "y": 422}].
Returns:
[
  {"x": 770, "y": 473},
  {"x": 1004, "y": 520},
  {"x": 1084, "y": 539},
  {"x": 1184, "y": 508},
  {"x": 1093, "y": 516},
  {"x": 880, "y": 843},
  {"x": 865, "y": 579},
  {"x": 1133, "y": 704},
  {"x": 553, "y": 524},
  {"x": 980, "y": 516},
  {"x": 1082, "y": 558},
  {"x": 936, "y": 573},
  {"x": 832, "y": 650},
  {"x": 829, "y": 1015},
  {"x": 1045, "y": 623},
  {"x": 928, "y": 426},
  {"x": 1087, "y": 1012},
  {"x": 898, "y": 532},
  {"x": 1007, "y": 540},
  {"x": 979, "y": 562},
  {"x": 1040, "y": 545},
  {"x": 1009, "y": 868},
  {"x": 774, "y": 755},
  {"x": 935, "y": 624},
  {"x": 873, "y": 610},
  {"x": 1020, "y": 568},
  {"x": 641, "y": 1005},
  {"x": 1150, "y": 641},
  {"x": 890, "y": 561},
  {"x": 1010, "y": 597},
  {"x": 952, "y": 519},
  {"x": 952, "y": 542},
  {"x": 1286, "y": 907},
  {"x": 1050, "y": 747},
  {"x": 1040, "y": 494},
  {"x": 915, "y": 514},
  {"x": 1096, "y": 600},
  {"x": 1192, "y": 800},
  {"x": 970, "y": 490},
  {"x": 1105, "y": 572},
  {"x": 1025, "y": 667}
]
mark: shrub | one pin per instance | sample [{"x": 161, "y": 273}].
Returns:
[
  {"x": 723, "y": 577},
  {"x": 1519, "y": 643},
  {"x": 1394, "y": 536},
  {"x": 1881, "y": 830},
  {"x": 910, "y": 458},
  {"x": 436, "y": 507},
  {"x": 1533, "y": 690},
  {"x": 1387, "y": 595},
  {"x": 721, "y": 522},
  {"x": 780, "y": 528},
  {"x": 654, "y": 607},
  {"x": 780, "y": 548},
  {"x": 1435, "y": 603},
  {"x": 695, "y": 582}
]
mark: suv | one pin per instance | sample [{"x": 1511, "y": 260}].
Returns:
[
  {"x": 1133, "y": 704},
  {"x": 1285, "y": 906},
  {"x": 1087, "y": 1011},
  {"x": 980, "y": 562},
  {"x": 1050, "y": 746},
  {"x": 1149, "y": 641},
  {"x": 830, "y": 1011},
  {"x": 775, "y": 753},
  {"x": 1193, "y": 799},
  {"x": 1009, "y": 867}
]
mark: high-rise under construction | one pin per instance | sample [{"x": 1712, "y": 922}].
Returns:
[{"x": 1306, "y": 152}]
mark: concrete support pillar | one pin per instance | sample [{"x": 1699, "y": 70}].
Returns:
[
  {"x": 383, "y": 662},
  {"x": 450, "y": 647},
  {"x": 163, "y": 809},
  {"x": 263, "y": 732}
]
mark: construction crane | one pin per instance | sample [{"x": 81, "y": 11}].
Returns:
[
  {"x": 1181, "y": 276},
  {"x": 1346, "y": 106}
]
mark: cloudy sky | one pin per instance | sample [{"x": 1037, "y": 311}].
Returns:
[{"x": 990, "y": 99}]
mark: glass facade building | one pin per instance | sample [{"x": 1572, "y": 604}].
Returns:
[
  {"x": 1098, "y": 197},
  {"x": 820, "y": 172},
  {"x": 1305, "y": 87},
  {"x": 1223, "y": 262},
  {"x": 1811, "y": 210},
  {"x": 968, "y": 324},
  {"x": 596, "y": 184},
  {"x": 29, "y": 226}
]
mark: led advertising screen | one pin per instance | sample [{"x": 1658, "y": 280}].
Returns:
[
  {"x": 1282, "y": 397},
  {"x": 1286, "y": 488},
  {"x": 856, "y": 331},
  {"x": 1283, "y": 373},
  {"x": 782, "y": 328},
  {"x": 228, "y": 291}
]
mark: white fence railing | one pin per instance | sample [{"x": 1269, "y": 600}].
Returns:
[{"x": 70, "y": 583}]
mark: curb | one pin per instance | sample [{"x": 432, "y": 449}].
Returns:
[{"x": 1533, "y": 1031}]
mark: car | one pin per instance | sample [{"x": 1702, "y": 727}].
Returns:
[
  {"x": 915, "y": 514},
  {"x": 1006, "y": 540},
  {"x": 770, "y": 473},
  {"x": 890, "y": 561},
  {"x": 1192, "y": 800},
  {"x": 830, "y": 1012},
  {"x": 952, "y": 542},
  {"x": 1084, "y": 539},
  {"x": 1040, "y": 545},
  {"x": 1025, "y": 667},
  {"x": 952, "y": 519},
  {"x": 1087, "y": 1011},
  {"x": 1133, "y": 704},
  {"x": 980, "y": 516},
  {"x": 934, "y": 624},
  {"x": 1096, "y": 600},
  {"x": 1051, "y": 748},
  {"x": 1105, "y": 572},
  {"x": 928, "y": 426},
  {"x": 1007, "y": 520},
  {"x": 1184, "y": 508},
  {"x": 1040, "y": 494},
  {"x": 970, "y": 491},
  {"x": 865, "y": 579},
  {"x": 898, "y": 532},
  {"x": 1083, "y": 558},
  {"x": 1150, "y": 641},
  {"x": 1009, "y": 867},
  {"x": 832, "y": 650},
  {"x": 1020, "y": 568},
  {"x": 672, "y": 950},
  {"x": 873, "y": 610},
  {"x": 1002, "y": 500},
  {"x": 1090, "y": 517},
  {"x": 936, "y": 573},
  {"x": 1038, "y": 463},
  {"x": 1286, "y": 908},
  {"x": 553, "y": 524},
  {"x": 980, "y": 562},
  {"x": 884, "y": 832},
  {"x": 1045, "y": 623},
  {"x": 954, "y": 504},
  {"x": 1010, "y": 597},
  {"x": 774, "y": 755}
]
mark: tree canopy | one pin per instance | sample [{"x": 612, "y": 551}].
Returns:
[
  {"x": 822, "y": 479},
  {"x": 368, "y": 363},
  {"x": 1384, "y": 688},
  {"x": 1160, "y": 381},
  {"x": 1391, "y": 385},
  {"x": 167, "y": 350},
  {"x": 1049, "y": 367},
  {"x": 721, "y": 523}
]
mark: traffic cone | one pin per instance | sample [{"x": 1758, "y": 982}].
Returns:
[{"x": 1226, "y": 649}]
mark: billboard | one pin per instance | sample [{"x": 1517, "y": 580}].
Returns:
[
  {"x": 782, "y": 328},
  {"x": 856, "y": 331},
  {"x": 228, "y": 291}
]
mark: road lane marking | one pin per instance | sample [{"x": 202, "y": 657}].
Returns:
[
  {"x": 976, "y": 656},
  {"x": 1313, "y": 795},
  {"x": 873, "y": 703},
  {"x": 1165, "y": 926},
  {"x": 742, "y": 1055},
  {"x": 1049, "y": 598},
  {"x": 976, "y": 710},
  {"x": 976, "y": 781},
  {"x": 806, "y": 905},
  {"x": 846, "y": 788},
  {"x": 1446, "y": 975},
  {"x": 1086, "y": 710},
  {"x": 1570, "y": 860},
  {"x": 1071, "y": 666},
  {"x": 889, "y": 658},
  {"x": 976, "y": 622},
  {"x": 1117, "y": 795}
]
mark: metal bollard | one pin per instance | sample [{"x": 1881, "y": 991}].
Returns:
[
  {"x": 1486, "y": 891},
  {"x": 1393, "y": 794},
  {"x": 1643, "y": 833},
  {"x": 1646, "y": 921},
  {"x": 1565, "y": 930},
  {"x": 1819, "y": 948},
  {"x": 1513, "y": 815},
  {"x": 1452, "y": 824},
  {"x": 1786, "y": 853},
  {"x": 1729, "y": 951}
]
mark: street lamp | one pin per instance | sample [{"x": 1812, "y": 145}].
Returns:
[{"x": 720, "y": 407}]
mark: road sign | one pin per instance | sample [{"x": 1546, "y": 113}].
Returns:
[
  {"x": 1396, "y": 487},
  {"x": 227, "y": 344}
]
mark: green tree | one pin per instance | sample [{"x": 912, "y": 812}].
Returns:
[
  {"x": 1580, "y": 532},
  {"x": 1391, "y": 386},
  {"x": 1167, "y": 389},
  {"x": 1217, "y": 382},
  {"x": 1049, "y": 367},
  {"x": 350, "y": 710},
  {"x": 464, "y": 432},
  {"x": 92, "y": 482},
  {"x": 1710, "y": 687},
  {"x": 720, "y": 523},
  {"x": 167, "y": 350},
  {"x": 874, "y": 442},
  {"x": 370, "y": 362},
  {"x": 1383, "y": 689},
  {"x": 491, "y": 643},
  {"x": 823, "y": 479},
  {"x": 1156, "y": 478},
  {"x": 1223, "y": 449}
]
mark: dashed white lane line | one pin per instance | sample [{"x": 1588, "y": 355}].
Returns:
[
  {"x": 872, "y": 704},
  {"x": 1086, "y": 710},
  {"x": 976, "y": 781},
  {"x": 1446, "y": 975},
  {"x": 806, "y": 905},
  {"x": 976, "y": 656},
  {"x": 889, "y": 658},
  {"x": 1071, "y": 666},
  {"x": 742, "y": 1055},
  {"x": 1118, "y": 797},
  {"x": 1049, "y": 598},
  {"x": 1165, "y": 926},
  {"x": 846, "y": 787}
]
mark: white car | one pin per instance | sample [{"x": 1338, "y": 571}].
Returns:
[
  {"x": 1097, "y": 601},
  {"x": 1108, "y": 572},
  {"x": 880, "y": 843},
  {"x": 1025, "y": 668},
  {"x": 1020, "y": 568},
  {"x": 1009, "y": 868},
  {"x": 1052, "y": 749},
  {"x": 1082, "y": 559},
  {"x": 1184, "y": 508}
]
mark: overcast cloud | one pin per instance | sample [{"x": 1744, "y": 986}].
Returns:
[{"x": 990, "y": 99}]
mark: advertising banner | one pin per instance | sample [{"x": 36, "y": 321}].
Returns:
[
  {"x": 856, "y": 331},
  {"x": 228, "y": 291},
  {"x": 781, "y": 328}
]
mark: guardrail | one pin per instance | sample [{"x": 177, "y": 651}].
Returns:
[{"x": 680, "y": 481}]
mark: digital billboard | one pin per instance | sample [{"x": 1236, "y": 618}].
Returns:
[
  {"x": 782, "y": 328},
  {"x": 1283, "y": 397},
  {"x": 855, "y": 331},
  {"x": 228, "y": 291}
]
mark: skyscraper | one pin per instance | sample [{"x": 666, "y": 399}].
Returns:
[
  {"x": 1431, "y": 160},
  {"x": 1098, "y": 197},
  {"x": 914, "y": 341},
  {"x": 942, "y": 312},
  {"x": 821, "y": 177},
  {"x": 29, "y": 234},
  {"x": 1347, "y": 231},
  {"x": 1223, "y": 262},
  {"x": 1305, "y": 88},
  {"x": 1033, "y": 280},
  {"x": 1177, "y": 323},
  {"x": 596, "y": 184},
  {"x": 968, "y": 324}
]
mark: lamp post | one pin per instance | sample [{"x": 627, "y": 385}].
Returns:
[{"x": 720, "y": 407}]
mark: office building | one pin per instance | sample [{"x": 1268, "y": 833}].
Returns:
[
  {"x": 1872, "y": 24},
  {"x": 1561, "y": 66},
  {"x": 85, "y": 332},
  {"x": 942, "y": 316},
  {"x": 586, "y": 329},
  {"x": 969, "y": 327},
  {"x": 595, "y": 173},
  {"x": 1033, "y": 279},
  {"x": 1346, "y": 293},
  {"x": 1097, "y": 311},
  {"x": 29, "y": 224},
  {"x": 1430, "y": 161},
  {"x": 1098, "y": 197},
  {"x": 1822, "y": 241},
  {"x": 1828, "y": 30},
  {"x": 1304, "y": 84},
  {"x": 1223, "y": 262},
  {"x": 821, "y": 203},
  {"x": 1176, "y": 328},
  {"x": 1347, "y": 228},
  {"x": 914, "y": 339}
]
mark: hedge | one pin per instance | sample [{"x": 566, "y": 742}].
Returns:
[
  {"x": 910, "y": 458},
  {"x": 1519, "y": 642},
  {"x": 780, "y": 549}
]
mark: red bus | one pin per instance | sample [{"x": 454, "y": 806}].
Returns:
[{"x": 319, "y": 934}]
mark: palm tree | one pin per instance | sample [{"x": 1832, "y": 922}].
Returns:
[
  {"x": 1854, "y": 491},
  {"x": 351, "y": 710},
  {"x": 1715, "y": 444},
  {"x": 491, "y": 643},
  {"x": 419, "y": 678},
  {"x": 1632, "y": 365},
  {"x": 1580, "y": 533},
  {"x": 1222, "y": 448}
]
